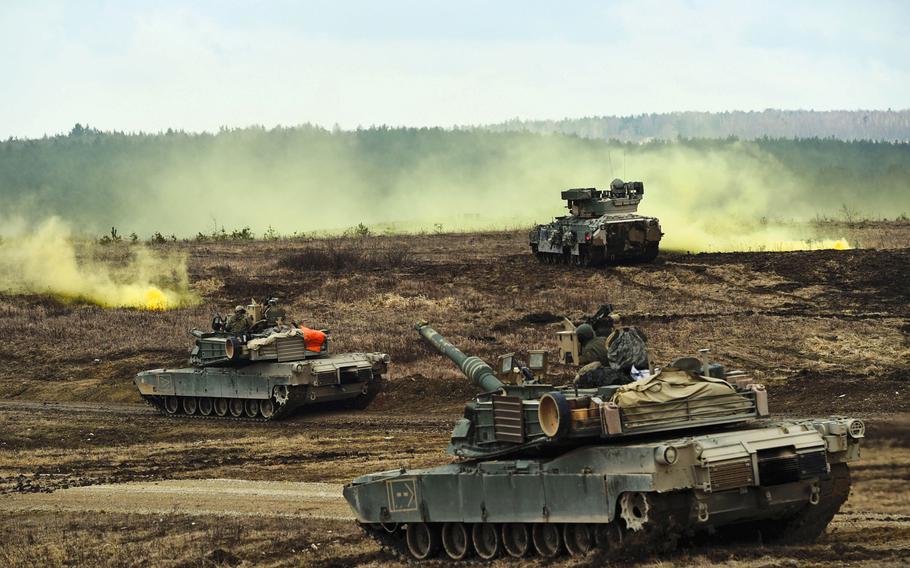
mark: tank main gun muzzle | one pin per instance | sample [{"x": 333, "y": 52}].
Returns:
[{"x": 473, "y": 367}]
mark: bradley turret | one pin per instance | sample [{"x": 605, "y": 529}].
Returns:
[{"x": 543, "y": 469}]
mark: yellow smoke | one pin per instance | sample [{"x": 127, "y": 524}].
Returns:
[{"x": 49, "y": 261}]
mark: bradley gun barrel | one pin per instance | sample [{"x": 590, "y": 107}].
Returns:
[{"x": 473, "y": 367}]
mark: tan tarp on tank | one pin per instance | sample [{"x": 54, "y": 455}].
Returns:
[
  {"x": 255, "y": 344},
  {"x": 639, "y": 400}
]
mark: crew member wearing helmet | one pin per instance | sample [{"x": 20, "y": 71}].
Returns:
[
  {"x": 593, "y": 347},
  {"x": 239, "y": 322}
]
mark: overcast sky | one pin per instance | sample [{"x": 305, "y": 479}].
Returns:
[{"x": 123, "y": 65}]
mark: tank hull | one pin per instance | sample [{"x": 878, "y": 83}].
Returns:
[
  {"x": 592, "y": 242},
  {"x": 263, "y": 391},
  {"x": 778, "y": 472}
]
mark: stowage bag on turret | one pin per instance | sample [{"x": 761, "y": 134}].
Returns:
[
  {"x": 626, "y": 347},
  {"x": 697, "y": 394}
]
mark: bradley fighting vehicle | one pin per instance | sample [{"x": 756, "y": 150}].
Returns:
[
  {"x": 262, "y": 374},
  {"x": 625, "y": 469},
  {"x": 602, "y": 227}
]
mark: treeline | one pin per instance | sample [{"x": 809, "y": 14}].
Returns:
[
  {"x": 303, "y": 179},
  {"x": 875, "y": 125}
]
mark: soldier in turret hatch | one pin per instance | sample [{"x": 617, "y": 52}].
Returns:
[
  {"x": 239, "y": 322},
  {"x": 274, "y": 314},
  {"x": 605, "y": 359}
]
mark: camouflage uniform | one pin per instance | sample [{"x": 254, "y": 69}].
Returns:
[
  {"x": 239, "y": 322},
  {"x": 593, "y": 347}
]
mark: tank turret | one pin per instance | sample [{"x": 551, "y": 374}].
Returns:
[{"x": 531, "y": 415}]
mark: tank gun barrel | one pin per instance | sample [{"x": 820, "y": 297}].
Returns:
[{"x": 473, "y": 367}]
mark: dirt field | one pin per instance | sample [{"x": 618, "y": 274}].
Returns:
[{"x": 88, "y": 476}]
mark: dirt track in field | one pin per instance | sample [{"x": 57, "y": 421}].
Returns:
[{"x": 206, "y": 497}]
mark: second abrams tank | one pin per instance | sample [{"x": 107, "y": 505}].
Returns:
[
  {"x": 263, "y": 373},
  {"x": 541, "y": 470},
  {"x": 602, "y": 227}
]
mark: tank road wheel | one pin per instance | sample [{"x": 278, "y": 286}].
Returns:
[
  {"x": 189, "y": 404},
  {"x": 171, "y": 404},
  {"x": 236, "y": 407},
  {"x": 547, "y": 540},
  {"x": 608, "y": 536},
  {"x": 578, "y": 538},
  {"x": 634, "y": 508},
  {"x": 267, "y": 408},
  {"x": 423, "y": 540},
  {"x": 251, "y": 407},
  {"x": 486, "y": 540},
  {"x": 456, "y": 540},
  {"x": 221, "y": 406},
  {"x": 515, "y": 539}
]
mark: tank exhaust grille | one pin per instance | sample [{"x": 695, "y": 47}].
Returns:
[
  {"x": 508, "y": 419},
  {"x": 731, "y": 474},
  {"x": 290, "y": 348}
]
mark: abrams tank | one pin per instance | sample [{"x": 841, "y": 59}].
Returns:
[
  {"x": 602, "y": 227},
  {"x": 262, "y": 374},
  {"x": 624, "y": 470}
]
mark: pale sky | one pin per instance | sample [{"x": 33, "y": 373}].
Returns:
[{"x": 199, "y": 65}]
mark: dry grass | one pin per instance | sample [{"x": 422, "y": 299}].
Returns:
[{"x": 779, "y": 314}]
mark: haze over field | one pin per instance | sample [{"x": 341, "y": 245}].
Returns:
[{"x": 709, "y": 195}]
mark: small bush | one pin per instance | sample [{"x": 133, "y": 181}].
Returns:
[
  {"x": 359, "y": 231},
  {"x": 114, "y": 237},
  {"x": 244, "y": 234},
  {"x": 270, "y": 234}
]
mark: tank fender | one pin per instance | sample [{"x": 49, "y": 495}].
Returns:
[{"x": 617, "y": 484}]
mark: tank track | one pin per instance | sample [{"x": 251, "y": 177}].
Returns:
[
  {"x": 391, "y": 543},
  {"x": 810, "y": 522},
  {"x": 667, "y": 522},
  {"x": 612, "y": 541},
  {"x": 295, "y": 400}
]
